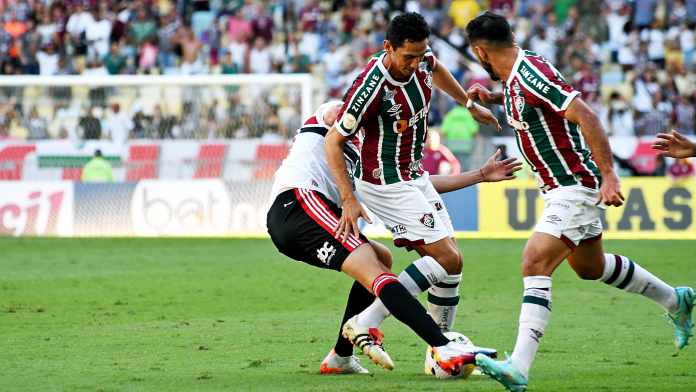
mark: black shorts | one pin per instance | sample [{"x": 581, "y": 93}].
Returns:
[{"x": 301, "y": 223}]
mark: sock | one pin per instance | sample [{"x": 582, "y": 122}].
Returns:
[
  {"x": 443, "y": 298},
  {"x": 624, "y": 274},
  {"x": 534, "y": 316},
  {"x": 407, "y": 309},
  {"x": 416, "y": 278},
  {"x": 359, "y": 298}
]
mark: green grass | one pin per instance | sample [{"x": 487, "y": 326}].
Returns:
[{"x": 234, "y": 315}]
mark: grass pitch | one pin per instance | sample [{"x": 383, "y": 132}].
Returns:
[{"x": 234, "y": 315}]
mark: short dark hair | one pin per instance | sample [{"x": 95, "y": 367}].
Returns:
[
  {"x": 97, "y": 153},
  {"x": 409, "y": 26},
  {"x": 490, "y": 27}
]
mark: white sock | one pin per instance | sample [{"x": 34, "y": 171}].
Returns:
[
  {"x": 417, "y": 278},
  {"x": 443, "y": 298},
  {"x": 534, "y": 316},
  {"x": 624, "y": 274}
]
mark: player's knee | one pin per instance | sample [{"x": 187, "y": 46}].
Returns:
[
  {"x": 587, "y": 272},
  {"x": 533, "y": 263},
  {"x": 451, "y": 261}
]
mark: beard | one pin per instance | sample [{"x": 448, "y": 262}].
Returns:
[{"x": 489, "y": 68}]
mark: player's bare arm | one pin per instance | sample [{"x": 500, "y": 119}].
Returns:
[
  {"x": 443, "y": 79},
  {"x": 579, "y": 113},
  {"x": 493, "y": 170},
  {"x": 480, "y": 93},
  {"x": 674, "y": 145},
  {"x": 352, "y": 210}
]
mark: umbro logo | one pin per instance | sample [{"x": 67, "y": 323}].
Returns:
[{"x": 395, "y": 110}]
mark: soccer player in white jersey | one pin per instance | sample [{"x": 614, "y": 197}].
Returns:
[
  {"x": 563, "y": 141},
  {"x": 301, "y": 224},
  {"x": 389, "y": 101}
]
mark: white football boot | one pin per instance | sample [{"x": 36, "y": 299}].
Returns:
[{"x": 335, "y": 364}]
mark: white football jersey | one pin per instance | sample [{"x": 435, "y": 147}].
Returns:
[{"x": 306, "y": 166}]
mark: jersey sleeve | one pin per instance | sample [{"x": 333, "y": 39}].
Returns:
[
  {"x": 543, "y": 81},
  {"x": 358, "y": 99},
  {"x": 429, "y": 57}
]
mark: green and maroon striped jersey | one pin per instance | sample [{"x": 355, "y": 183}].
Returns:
[
  {"x": 536, "y": 97},
  {"x": 393, "y": 116}
]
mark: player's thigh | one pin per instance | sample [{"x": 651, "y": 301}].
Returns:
[
  {"x": 587, "y": 260},
  {"x": 406, "y": 212},
  {"x": 383, "y": 253},
  {"x": 363, "y": 265},
  {"x": 542, "y": 254}
]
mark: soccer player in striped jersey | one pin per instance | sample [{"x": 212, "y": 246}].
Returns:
[
  {"x": 389, "y": 101},
  {"x": 563, "y": 141},
  {"x": 301, "y": 223}
]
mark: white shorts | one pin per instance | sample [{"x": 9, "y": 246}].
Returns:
[
  {"x": 412, "y": 210},
  {"x": 571, "y": 214}
]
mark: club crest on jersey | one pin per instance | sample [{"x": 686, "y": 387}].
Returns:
[
  {"x": 348, "y": 122},
  {"x": 388, "y": 94},
  {"x": 377, "y": 173},
  {"x": 428, "y": 220},
  {"x": 519, "y": 97},
  {"x": 429, "y": 81}
]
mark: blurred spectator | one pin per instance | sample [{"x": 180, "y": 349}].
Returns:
[
  {"x": 660, "y": 166},
  {"x": 191, "y": 63},
  {"x": 90, "y": 125},
  {"x": 685, "y": 114},
  {"x": 259, "y": 57},
  {"x": 48, "y": 60},
  {"x": 97, "y": 33},
  {"x": 36, "y": 126},
  {"x": 118, "y": 126},
  {"x": 681, "y": 168},
  {"x": 620, "y": 116},
  {"x": 114, "y": 61},
  {"x": 459, "y": 129},
  {"x": 438, "y": 159},
  {"x": 97, "y": 169}
]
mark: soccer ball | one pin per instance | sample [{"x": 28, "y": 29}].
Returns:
[{"x": 431, "y": 367}]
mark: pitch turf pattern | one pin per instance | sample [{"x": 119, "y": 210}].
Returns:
[{"x": 221, "y": 314}]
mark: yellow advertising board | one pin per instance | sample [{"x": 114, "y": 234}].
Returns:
[{"x": 655, "y": 208}]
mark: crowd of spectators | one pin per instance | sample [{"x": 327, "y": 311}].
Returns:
[{"x": 634, "y": 61}]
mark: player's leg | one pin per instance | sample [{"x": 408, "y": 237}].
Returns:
[
  {"x": 359, "y": 298},
  {"x": 363, "y": 266},
  {"x": 418, "y": 224},
  {"x": 542, "y": 255},
  {"x": 590, "y": 262}
]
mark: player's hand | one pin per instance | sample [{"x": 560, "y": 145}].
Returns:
[
  {"x": 495, "y": 170},
  {"x": 479, "y": 93},
  {"x": 674, "y": 145},
  {"x": 610, "y": 191},
  {"x": 483, "y": 115},
  {"x": 352, "y": 210}
]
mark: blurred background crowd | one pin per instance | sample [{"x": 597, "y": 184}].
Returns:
[{"x": 633, "y": 61}]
